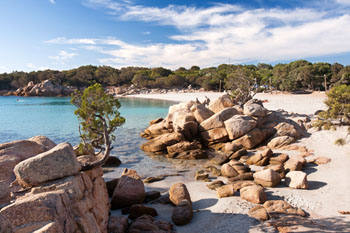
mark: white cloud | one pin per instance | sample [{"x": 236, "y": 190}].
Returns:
[
  {"x": 344, "y": 2},
  {"x": 52, "y": 1},
  {"x": 63, "y": 56},
  {"x": 214, "y": 35}
]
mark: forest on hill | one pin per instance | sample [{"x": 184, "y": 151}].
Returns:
[{"x": 296, "y": 75}]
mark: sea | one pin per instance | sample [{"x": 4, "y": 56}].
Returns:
[{"x": 25, "y": 117}]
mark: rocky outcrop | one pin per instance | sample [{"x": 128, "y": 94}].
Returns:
[
  {"x": 45, "y": 88},
  {"x": 12, "y": 153},
  {"x": 179, "y": 196},
  {"x": 72, "y": 204},
  {"x": 193, "y": 126},
  {"x": 56, "y": 163}
]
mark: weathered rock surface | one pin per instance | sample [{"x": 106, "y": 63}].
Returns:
[
  {"x": 147, "y": 223},
  {"x": 233, "y": 168},
  {"x": 5, "y": 225},
  {"x": 12, "y": 153},
  {"x": 220, "y": 103},
  {"x": 179, "y": 192},
  {"x": 72, "y": 204},
  {"x": 161, "y": 142},
  {"x": 137, "y": 210},
  {"x": 225, "y": 191},
  {"x": 239, "y": 125},
  {"x": 45, "y": 88},
  {"x": 182, "y": 213},
  {"x": 259, "y": 212},
  {"x": 280, "y": 141},
  {"x": 297, "y": 180},
  {"x": 294, "y": 164},
  {"x": 253, "y": 193},
  {"x": 201, "y": 113},
  {"x": 276, "y": 207},
  {"x": 254, "y": 138},
  {"x": 254, "y": 109},
  {"x": 260, "y": 159},
  {"x": 56, "y": 163},
  {"x": 129, "y": 190},
  {"x": 215, "y": 184},
  {"x": 217, "y": 120},
  {"x": 267, "y": 178},
  {"x": 117, "y": 224}
]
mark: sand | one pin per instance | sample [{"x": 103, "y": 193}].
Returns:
[
  {"x": 300, "y": 103},
  {"x": 329, "y": 190}
]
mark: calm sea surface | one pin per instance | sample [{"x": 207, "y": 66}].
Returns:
[{"x": 24, "y": 117}]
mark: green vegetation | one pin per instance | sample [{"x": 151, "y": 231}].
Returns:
[
  {"x": 99, "y": 118},
  {"x": 297, "y": 75},
  {"x": 338, "y": 112}
]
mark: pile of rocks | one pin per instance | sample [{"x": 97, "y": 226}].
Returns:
[
  {"x": 45, "y": 88},
  {"x": 128, "y": 193},
  {"x": 190, "y": 129}
]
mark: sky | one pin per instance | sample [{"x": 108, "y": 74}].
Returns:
[{"x": 65, "y": 34}]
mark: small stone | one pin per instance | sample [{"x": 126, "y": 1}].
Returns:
[
  {"x": 215, "y": 184},
  {"x": 297, "y": 180},
  {"x": 201, "y": 175},
  {"x": 179, "y": 192},
  {"x": 259, "y": 213},
  {"x": 253, "y": 193},
  {"x": 182, "y": 213},
  {"x": 225, "y": 191},
  {"x": 112, "y": 161},
  {"x": 138, "y": 210},
  {"x": 152, "y": 195},
  {"x": 267, "y": 178},
  {"x": 117, "y": 224}
]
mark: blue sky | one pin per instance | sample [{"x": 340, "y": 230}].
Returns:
[{"x": 64, "y": 34}]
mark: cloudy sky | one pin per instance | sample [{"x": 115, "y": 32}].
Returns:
[{"x": 63, "y": 34}]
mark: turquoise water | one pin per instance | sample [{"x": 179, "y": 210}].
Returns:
[{"x": 24, "y": 117}]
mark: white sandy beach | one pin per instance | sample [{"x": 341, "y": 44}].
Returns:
[
  {"x": 300, "y": 103},
  {"x": 329, "y": 190}
]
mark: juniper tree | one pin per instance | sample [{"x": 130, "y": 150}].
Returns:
[{"x": 99, "y": 117}]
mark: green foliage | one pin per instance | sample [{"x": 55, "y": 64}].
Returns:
[
  {"x": 338, "y": 103},
  {"x": 99, "y": 117},
  {"x": 297, "y": 75}
]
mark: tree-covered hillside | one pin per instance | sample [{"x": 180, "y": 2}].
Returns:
[{"x": 297, "y": 75}]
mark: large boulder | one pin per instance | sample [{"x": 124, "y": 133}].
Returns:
[
  {"x": 161, "y": 142},
  {"x": 220, "y": 103},
  {"x": 201, "y": 113},
  {"x": 239, "y": 125},
  {"x": 225, "y": 191},
  {"x": 185, "y": 123},
  {"x": 287, "y": 129},
  {"x": 217, "y": 120},
  {"x": 56, "y": 163},
  {"x": 183, "y": 146},
  {"x": 214, "y": 135},
  {"x": 129, "y": 190},
  {"x": 254, "y": 194},
  {"x": 254, "y": 138},
  {"x": 73, "y": 204},
  {"x": 5, "y": 225},
  {"x": 233, "y": 168},
  {"x": 179, "y": 192},
  {"x": 254, "y": 109},
  {"x": 155, "y": 130},
  {"x": 297, "y": 180},
  {"x": 267, "y": 178},
  {"x": 182, "y": 213}
]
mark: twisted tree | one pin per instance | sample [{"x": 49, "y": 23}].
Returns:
[{"x": 99, "y": 118}]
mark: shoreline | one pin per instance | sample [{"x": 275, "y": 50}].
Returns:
[{"x": 296, "y": 103}]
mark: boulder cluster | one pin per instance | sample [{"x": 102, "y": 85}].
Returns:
[
  {"x": 45, "y": 88},
  {"x": 42, "y": 189},
  {"x": 238, "y": 143},
  {"x": 191, "y": 129}
]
